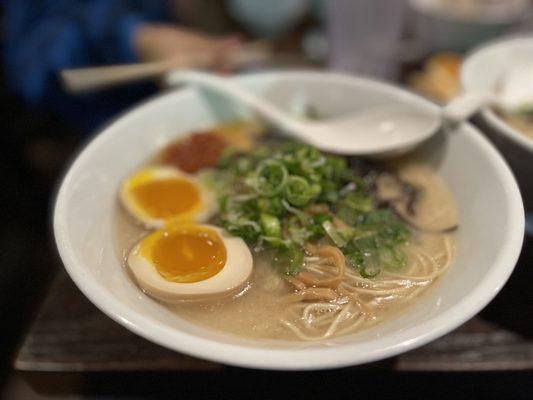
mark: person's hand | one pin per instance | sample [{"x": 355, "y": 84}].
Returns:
[{"x": 160, "y": 42}]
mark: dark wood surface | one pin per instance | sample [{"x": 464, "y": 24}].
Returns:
[{"x": 70, "y": 334}]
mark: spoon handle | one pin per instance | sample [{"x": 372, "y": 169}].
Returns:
[
  {"x": 79, "y": 80},
  {"x": 233, "y": 91},
  {"x": 464, "y": 106},
  {"x": 84, "y": 79}
]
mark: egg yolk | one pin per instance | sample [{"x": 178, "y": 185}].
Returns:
[
  {"x": 188, "y": 255},
  {"x": 166, "y": 198}
]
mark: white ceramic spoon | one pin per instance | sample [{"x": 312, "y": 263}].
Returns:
[{"x": 378, "y": 131}]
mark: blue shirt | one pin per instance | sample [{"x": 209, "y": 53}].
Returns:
[{"x": 45, "y": 36}]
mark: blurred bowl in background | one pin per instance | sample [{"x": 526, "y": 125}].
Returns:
[
  {"x": 457, "y": 25},
  {"x": 480, "y": 72},
  {"x": 268, "y": 19}
]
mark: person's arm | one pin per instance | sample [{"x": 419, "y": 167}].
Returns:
[
  {"x": 42, "y": 37},
  {"x": 159, "y": 41}
]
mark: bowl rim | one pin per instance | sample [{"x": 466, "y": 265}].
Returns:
[
  {"x": 345, "y": 354},
  {"x": 444, "y": 14},
  {"x": 500, "y": 126}
]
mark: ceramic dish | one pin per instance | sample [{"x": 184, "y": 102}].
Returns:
[
  {"x": 490, "y": 235},
  {"x": 479, "y": 73}
]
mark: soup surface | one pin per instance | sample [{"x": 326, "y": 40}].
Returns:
[{"x": 317, "y": 303}]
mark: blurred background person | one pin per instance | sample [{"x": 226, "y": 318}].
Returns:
[{"x": 44, "y": 36}]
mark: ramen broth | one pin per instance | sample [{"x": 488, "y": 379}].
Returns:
[{"x": 260, "y": 312}]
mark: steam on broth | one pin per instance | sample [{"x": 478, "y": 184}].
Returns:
[{"x": 338, "y": 244}]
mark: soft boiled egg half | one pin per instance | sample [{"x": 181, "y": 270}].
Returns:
[
  {"x": 157, "y": 195},
  {"x": 190, "y": 261}
]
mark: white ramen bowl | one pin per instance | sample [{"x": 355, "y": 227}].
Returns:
[
  {"x": 480, "y": 73},
  {"x": 490, "y": 234}
]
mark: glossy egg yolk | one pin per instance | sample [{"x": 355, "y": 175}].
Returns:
[
  {"x": 185, "y": 255},
  {"x": 165, "y": 198}
]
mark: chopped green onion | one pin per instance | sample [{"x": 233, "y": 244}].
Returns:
[
  {"x": 333, "y": 234},
  {"x": 271, "y": 205},
  {"x": 271, "y": 225},
  {"x": 298, "y": 191},
  {"x": 270, "y": 177},
  {"x": 275, "y": 241},
  {"x": 288, "y": 260},
  {"x": 296, "y": 232},
  {"x": 370, "y": 270},
  {"x": 223, "y": 202},
  {"x": 248, "y": 230},
  {"x": 268, "y": 198},
  {"x": 304, "y": 218}
]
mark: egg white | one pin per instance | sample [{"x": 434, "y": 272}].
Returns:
[
  {"x": 231, "y": 279},
  {"x": 206, "y": 210}
]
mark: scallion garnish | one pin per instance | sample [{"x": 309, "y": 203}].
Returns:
[{"x": 270, "y": 198}]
